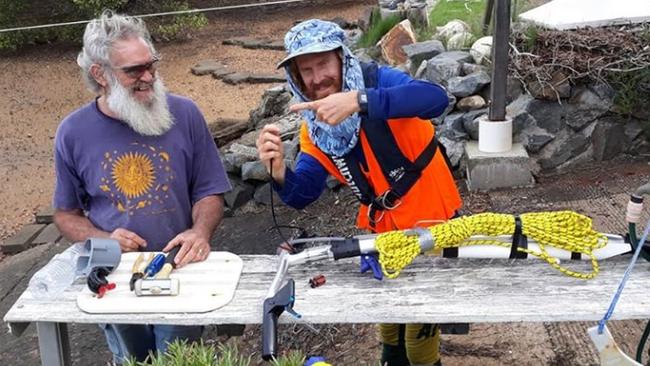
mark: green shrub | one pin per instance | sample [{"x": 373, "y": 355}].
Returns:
[
  {"x": 377, "y": 29},
  {"x": 632, "y": 90},
  {"x": 180, "y": 353},
  {"x": 15, "y": 14}
]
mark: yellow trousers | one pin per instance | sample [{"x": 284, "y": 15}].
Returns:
[{"x": 410, "y": 344}]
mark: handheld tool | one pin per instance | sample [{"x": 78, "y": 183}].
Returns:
[
  {"x": 138, "y": 269},
  {"x": 154, "y": 266},
  {"x": 161, "y": 285}
]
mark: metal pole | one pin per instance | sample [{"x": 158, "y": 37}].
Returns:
[
  {"x": 53, "y": 344},
  {"x": 499, "y": 61},
  {"x": 487, "y": 17}
]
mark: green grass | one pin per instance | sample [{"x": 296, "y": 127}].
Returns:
[{"x": 469, "y": 11}]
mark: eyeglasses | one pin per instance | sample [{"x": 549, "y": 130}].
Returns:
[{"x": 136, "y": 71}]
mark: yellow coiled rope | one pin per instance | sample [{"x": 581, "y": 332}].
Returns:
[{"x": 565, "y": 230}]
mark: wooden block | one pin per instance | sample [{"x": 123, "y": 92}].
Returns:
[
  {"x": 45, "y": 216},
  {"x": 50, "y": 234},
  {"x": 23, "y": 239}
]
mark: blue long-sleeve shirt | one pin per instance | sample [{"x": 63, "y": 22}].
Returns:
[{"x": 396, "y": 95}]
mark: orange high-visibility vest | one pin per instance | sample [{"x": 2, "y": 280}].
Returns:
[{"x": 432, "y": 199}]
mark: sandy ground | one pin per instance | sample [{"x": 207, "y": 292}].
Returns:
[{"x": 40, "y": 86}]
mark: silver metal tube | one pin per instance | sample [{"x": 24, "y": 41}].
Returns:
[{"x": 287, "y": 260}]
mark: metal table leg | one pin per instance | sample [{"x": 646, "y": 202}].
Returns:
[{"x": 53, "y": 343}]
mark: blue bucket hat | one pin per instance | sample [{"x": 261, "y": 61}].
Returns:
[{"x": 312, "y": 36}]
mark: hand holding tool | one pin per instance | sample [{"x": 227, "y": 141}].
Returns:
[{"x": 169, "y": 263}]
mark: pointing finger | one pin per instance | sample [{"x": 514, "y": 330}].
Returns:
[{"x": 302, "y": 106}]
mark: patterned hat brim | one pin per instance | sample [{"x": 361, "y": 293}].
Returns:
[{"x": 312, "y": 48}]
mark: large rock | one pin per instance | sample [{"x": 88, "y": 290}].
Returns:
[
  {"x": 451, "y": 28},
  {"x": 470, "y": 122},
  {"x": 459, "y": 56},
  {"x": 454, "y": 149},
  {"x": 534, "y": 139},
  {"x": 471, "y": 103},
  {"x": 254, "y": 171},
  {"x": 452, "y": 128},
  {"x": 275, "y": 101},
  {"x": 459, "y": 41},
  {"x": 564, "y": 147},
  {"x": 207, "y": 67},
  {"x": 585, "y": 107},
  {"x": 263, "y": 195},
  {"x": 439, "y": 70},
  {"x": 418, "y": 52},
  {"x": 463, "y": 86},
  {"x": 236, "y": 155},
  {"x": 469, "y": 68},
  {"x": 391, "y": 43},
  {"x": 549, "y": 115},
  {"x": 481, "y": 50},
  {"x": 240, "y": 194},
  {"x": 238, "y": 78},
  {"x": 291, "y": 147},
  {"x": 608, "y": 139},
  {"x": 518, "y": 112}
]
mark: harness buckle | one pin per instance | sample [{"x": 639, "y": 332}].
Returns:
[
  {"x": 371, "y": 214},
  {"x": 389, "y": 200}
]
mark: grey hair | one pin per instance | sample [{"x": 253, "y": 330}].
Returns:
[{"x": 99, "y": 37}]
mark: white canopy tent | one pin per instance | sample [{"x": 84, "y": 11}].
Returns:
[{"x": 571, "y": 14}]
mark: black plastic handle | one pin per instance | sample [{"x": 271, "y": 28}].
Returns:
[{"x": 273, "y": 308}]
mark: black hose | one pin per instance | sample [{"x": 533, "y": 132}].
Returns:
[{"x": 641, "y": 346}]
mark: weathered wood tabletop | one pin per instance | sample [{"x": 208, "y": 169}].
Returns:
[{"x": 431, "y": 289}]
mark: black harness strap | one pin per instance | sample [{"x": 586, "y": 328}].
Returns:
[
  {"x": 519, "y": 240},
  {"x": 398, "y": 170}
]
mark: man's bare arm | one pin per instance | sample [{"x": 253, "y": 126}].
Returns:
[{"x": 75, "y": 226}]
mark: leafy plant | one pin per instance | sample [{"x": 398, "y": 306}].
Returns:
[
  {"x": 377, "y": 29},
  {"x": 15, "y": 14},
  {"x": 294, "y": 358},
  {"x": 179, "y": 353},
  {"x": 632, "y": 90}
]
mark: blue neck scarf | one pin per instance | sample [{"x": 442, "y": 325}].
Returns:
[{"x": 340, "y": 139}]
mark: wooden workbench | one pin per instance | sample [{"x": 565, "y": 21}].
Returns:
[{"x": 431, "y": 289}]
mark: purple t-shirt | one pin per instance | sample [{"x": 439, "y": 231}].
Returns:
[{"x": 145, "y": 184}]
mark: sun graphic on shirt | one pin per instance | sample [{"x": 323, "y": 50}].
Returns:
[{"x": 133, "y": 174}]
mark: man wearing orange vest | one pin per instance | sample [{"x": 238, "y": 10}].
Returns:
[{"x": 369, "y": 126}]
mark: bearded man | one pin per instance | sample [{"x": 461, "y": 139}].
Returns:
[{"x": 137, "y": 165}]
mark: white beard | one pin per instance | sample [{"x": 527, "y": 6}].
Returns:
[{"x": 151, "y": 118}]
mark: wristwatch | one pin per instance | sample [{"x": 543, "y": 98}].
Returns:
[{"x": 362, "y": 99}]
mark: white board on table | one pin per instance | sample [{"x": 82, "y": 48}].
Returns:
[{"x": 204, "y": 286}]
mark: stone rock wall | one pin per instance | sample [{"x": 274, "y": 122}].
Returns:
[{"x": 578, "y": 123}]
